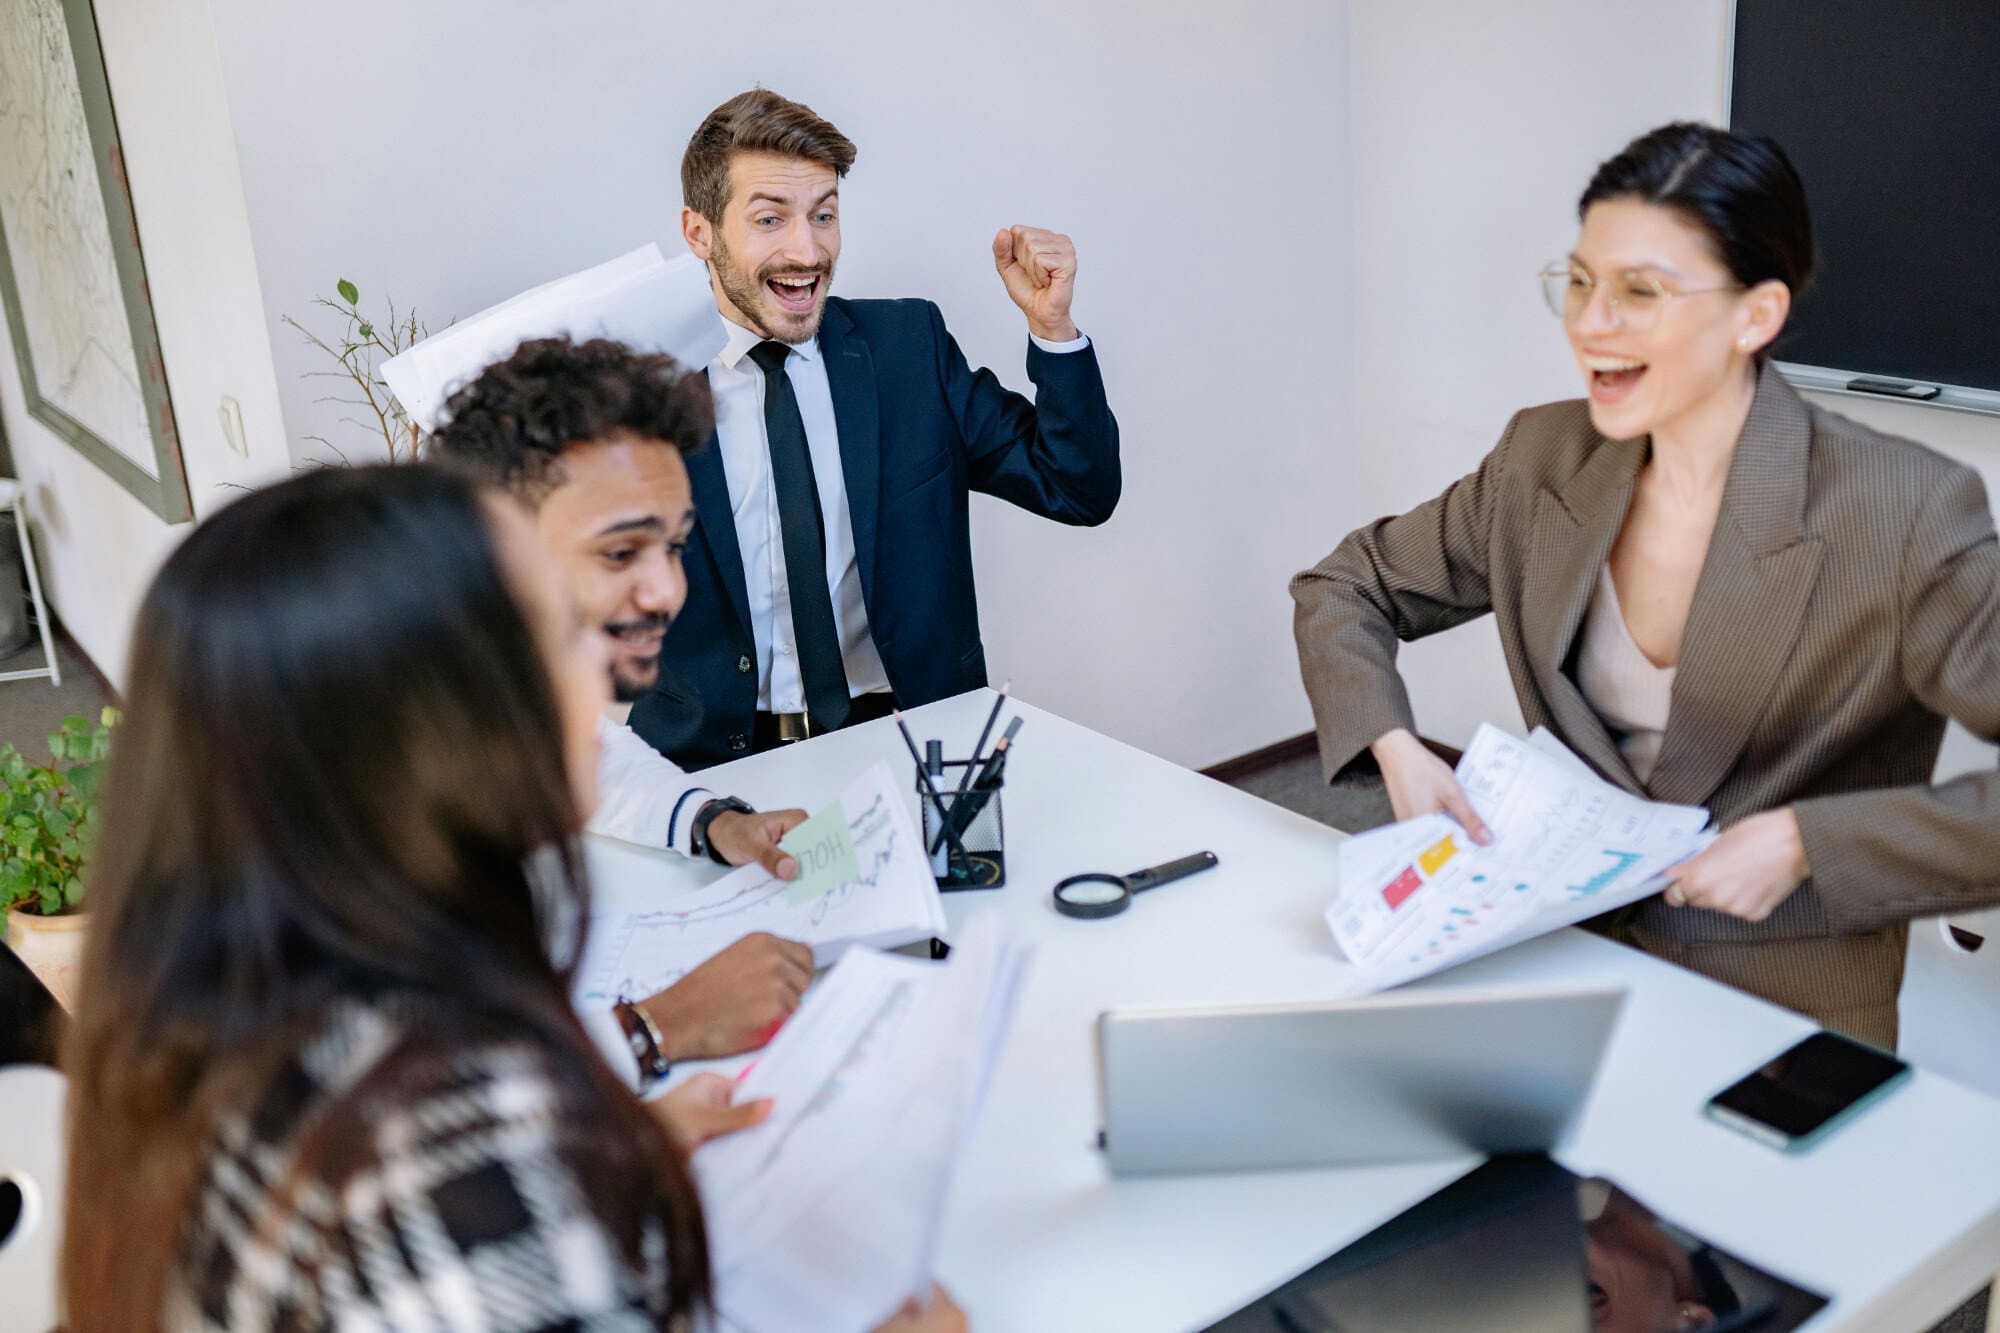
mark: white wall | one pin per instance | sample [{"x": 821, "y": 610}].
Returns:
[
  {"x": 1474, "y": 128},
  {"x": 97, "y": 545},
  {"x": 1196, "y": 152}
]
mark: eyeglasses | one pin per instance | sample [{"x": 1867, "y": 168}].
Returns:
[{"x": 1633, "y": 300}]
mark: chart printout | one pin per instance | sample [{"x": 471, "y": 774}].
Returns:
[
  {"x": 645, "y": 936},
  {"x": 825, "y": 1215},
  {"x": 1420, "y": 896}
]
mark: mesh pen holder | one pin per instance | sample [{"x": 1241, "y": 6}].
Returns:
[{"x": 984, "y": 865}]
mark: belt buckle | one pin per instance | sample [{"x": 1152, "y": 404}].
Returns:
[{"x": 793, "y": 727}]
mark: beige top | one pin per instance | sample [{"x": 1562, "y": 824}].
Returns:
[{"x": 1630, "y": 693}]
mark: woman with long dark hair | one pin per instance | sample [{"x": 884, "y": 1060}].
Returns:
[
  {"x": 1713, "y": 592},
  {"x": 323, "y": 1070}
]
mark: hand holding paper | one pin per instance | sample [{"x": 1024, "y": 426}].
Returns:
[
  {"x": 755, "y": 838},
  {"x": 1420, "y": 896},
  {"x": 643, "y": 938},
  {"x": 824, "y": 848},
  {"x": 824, "y": 1216}
]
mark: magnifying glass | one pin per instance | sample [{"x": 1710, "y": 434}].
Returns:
[{"x": 1089, "y": 897}]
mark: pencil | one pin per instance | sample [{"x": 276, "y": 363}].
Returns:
[{"x": 977, "y": 798}]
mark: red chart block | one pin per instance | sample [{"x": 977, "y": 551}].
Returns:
[{"x": 1401, "y": 888}]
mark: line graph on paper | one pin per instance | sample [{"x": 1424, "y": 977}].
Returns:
[
  {"x": 640, "y": 943},
  {"x": 867, "y": 1047}
]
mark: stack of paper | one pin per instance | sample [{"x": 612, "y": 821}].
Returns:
[
  {"x": 641, "y": 298},
  {"x": 1421, "y": 896},
  {"x": 825, "y": 1216},
  {"x": 863, "y": 879}
]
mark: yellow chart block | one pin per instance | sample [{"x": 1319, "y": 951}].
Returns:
[{"x": 1438, "y": 853}]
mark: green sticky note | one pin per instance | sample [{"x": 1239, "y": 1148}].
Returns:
[{"x": 824, "y": 847}]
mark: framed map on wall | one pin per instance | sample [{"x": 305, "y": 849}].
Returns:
[{"x": 71, "y": 274}]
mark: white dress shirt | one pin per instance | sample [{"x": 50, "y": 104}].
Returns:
[
  {"x": 643, "y": 796},
  {"x": 737, "y": 385}
]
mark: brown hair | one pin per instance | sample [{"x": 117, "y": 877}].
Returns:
[
  {"x": 341, "y": 752},
  {"x": 759, "y": 121}
]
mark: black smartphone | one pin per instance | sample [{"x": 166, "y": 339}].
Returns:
[{"x": 1808, "y": 1092}]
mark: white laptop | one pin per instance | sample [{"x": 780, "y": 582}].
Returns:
[{"x": 1408, "y": 1076}]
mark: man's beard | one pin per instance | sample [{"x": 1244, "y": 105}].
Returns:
[
  {"x": 628, "y": 689},
  {"x": 749, "y": 295}
]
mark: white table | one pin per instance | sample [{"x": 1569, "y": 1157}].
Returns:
[{"x": 1897, "y": 1217}]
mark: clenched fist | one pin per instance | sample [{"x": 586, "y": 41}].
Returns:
[{"x": 1039, "y": 268}]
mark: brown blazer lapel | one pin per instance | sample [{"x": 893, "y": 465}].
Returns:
[
  {"x": 1572, "y": 535},
  {"x": 1749, "y": 603}
]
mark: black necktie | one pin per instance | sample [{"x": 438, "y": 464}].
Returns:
[{"x": 803, "y": 529}]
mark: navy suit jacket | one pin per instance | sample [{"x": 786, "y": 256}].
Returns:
[{"x": 919, "y": 430}]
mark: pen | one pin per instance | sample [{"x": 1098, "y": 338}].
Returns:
[
  {"x": 944, "y": 819},
  {"x": 964, "y": 812}
]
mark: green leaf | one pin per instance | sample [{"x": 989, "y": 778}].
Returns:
[
  {"x": 367, "y": 329},
  {"x": 72, "y": 891},
  {"x": 348, "y": 291},
  {"x": 51, "y": 900},
  {"x": 76, "y": 726},
  {"x": 108, "y": 716}
]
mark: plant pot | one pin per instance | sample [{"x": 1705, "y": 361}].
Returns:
[{"x": 52, "y": 947}]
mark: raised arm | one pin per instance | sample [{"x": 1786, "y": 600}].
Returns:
[{"x": 1056, "y": 455}]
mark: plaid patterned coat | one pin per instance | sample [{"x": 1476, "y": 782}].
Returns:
[
  {"x": 1849, "y": 603},
  {"x": 462, "y": 1209}
]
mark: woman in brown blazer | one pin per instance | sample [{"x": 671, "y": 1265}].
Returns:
[{"x": 1713, "y": 592}]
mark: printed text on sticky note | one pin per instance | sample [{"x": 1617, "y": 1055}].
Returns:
[{"x": 824, "y": 847}]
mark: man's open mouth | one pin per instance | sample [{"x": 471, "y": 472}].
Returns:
[{"x": 795, "y": 293}]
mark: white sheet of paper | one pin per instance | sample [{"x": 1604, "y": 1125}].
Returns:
[
  {"x": 825, "y": 1216},
  {"x": 644, "y": 938},
  {"x": 642, "y": 298},
  {"x": 1420, "y": 896}
]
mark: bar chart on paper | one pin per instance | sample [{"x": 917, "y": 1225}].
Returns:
[
  {"x": 1420, "y": 895},
  {"x": 1619, "y": 863}
]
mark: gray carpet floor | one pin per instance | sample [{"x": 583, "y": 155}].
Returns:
[
  {"x": 31, "y": 709},
  {"x": 1296, "y": 785}
]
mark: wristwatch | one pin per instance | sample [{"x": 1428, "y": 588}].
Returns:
[{"x": 698, "y": 830}]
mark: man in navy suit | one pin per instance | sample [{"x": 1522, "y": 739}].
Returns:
[{"x": 830, "y": 575}]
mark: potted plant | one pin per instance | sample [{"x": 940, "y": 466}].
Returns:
[
  {"x": 48, "y": 821},
  {"x": 357, "y": 349}
]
